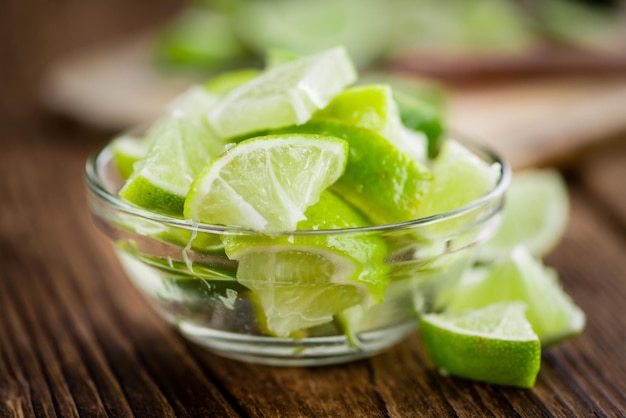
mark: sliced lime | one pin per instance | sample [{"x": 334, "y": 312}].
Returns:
[
  {"x": 373, "y": 107},
  {"x": 495, "y": 345},
  {"x": 266, "y": 183},
  {"x": 459, "y": 177},
  {"x": 161, "y": 180},
  {"x": 304, "y": 280},
  {"x": 535, "y": 215},
  {"x": 551, "y": 312},
  {"x": 284, "y": 95},
  {"x": 382, "y": 182}
]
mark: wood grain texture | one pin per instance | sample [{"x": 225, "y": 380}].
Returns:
[{"x": 76, "y": 339}]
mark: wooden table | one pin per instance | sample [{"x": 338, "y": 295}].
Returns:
[{"x": 77, "y": 340}]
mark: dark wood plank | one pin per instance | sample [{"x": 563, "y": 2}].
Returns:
[{"x": 604, "y": 174}]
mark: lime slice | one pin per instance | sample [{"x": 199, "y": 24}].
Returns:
[
  {"x": 382, "y": 182},
  {"x": 535, "y": 215},
  {"x": 373, "y": 107},
  {"x": 266, "y": 183},
  {"x": 495, "y": 345},
  {"x": 284, "y": 95},
  {"x": 161, "y": 180},
  {"x": 459, "y": 177},
  {"x": 304, "y": 280},
  {"x": 551, "y": 312},
  {"x": 194, "y": 103}
]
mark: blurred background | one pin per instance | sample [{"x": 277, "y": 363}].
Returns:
[{"x": 537, "y": 79}]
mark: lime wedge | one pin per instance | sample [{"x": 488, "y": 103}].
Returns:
[
  {"x": 161, "y": 180},
  {"x": 304, "y": 280},
  {"x": 552, "y": 314},
  {"x": 373, "y": 107},
  {"x": 495, "y": 345},
  {"x": 194, "y": 103},
  {"x": 459, "y": 177},
  {"x": 284, "y": 95},
  {"x": 266, "y": 183},
  {"x": 535, "y": 215},
  {"x": 382, "y": 182}
]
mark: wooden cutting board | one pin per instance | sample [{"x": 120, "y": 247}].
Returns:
[{"x": 531, "y": 121}]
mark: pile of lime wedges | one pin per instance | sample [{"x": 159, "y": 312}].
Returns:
[{"x": 301, "y": 146}]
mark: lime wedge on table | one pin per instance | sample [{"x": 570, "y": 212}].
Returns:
[
  {"x": 535, "y": 215},
  {"x": 284, "y": 95},
  {"x": 266, "y": 183},
  {"x": 519, "y": 277},
  {"x": 161, "y": 180},
  {"x": 495, "y": 345},
  {"x": 382, "y": 182},
  {"x": 304, "y": 280}
]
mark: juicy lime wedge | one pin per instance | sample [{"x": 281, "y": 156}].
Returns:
[
  {"x": 459, "y": 177},
  {"x": 266, "y": 183},
  {"x": 495, "y": 344},
  {"x": 551, "y": 312},
  {"x": 304, "y": 280},
  {"x": 161, "y": 179},
  {"x": 284, "y": 95},
  {"x": 535, "y": 215},
  {"x": 373, "y": 107},
  {"x": 382, "y": 182}
]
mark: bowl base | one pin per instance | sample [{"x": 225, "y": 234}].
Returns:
[{"x": 288, "y": 352}]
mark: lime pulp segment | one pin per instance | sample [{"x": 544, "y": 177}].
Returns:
[
  {"x": 284, "y": 95},
  {"x": 266, "y": 183},
  {"x": 305, "y": 280}
]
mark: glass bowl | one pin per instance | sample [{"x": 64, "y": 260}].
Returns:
[{"x": 269, "y": 308}]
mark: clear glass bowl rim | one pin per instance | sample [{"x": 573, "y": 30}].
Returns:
[{"x": 98, "y": 188}]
